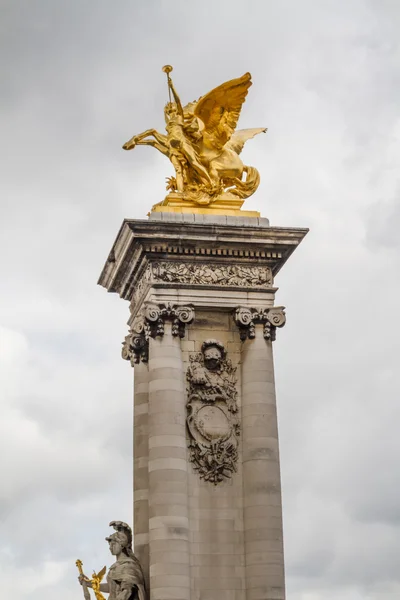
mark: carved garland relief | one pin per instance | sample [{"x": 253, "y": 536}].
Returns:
[{"x": 212, "y": 421}]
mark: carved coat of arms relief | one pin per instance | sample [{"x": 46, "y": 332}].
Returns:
[{"x": 212, "y": 413}]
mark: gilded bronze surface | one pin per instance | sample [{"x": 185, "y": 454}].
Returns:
[
  {"x": 93, "y": 583},
  {"x": 203, "y": 146}
]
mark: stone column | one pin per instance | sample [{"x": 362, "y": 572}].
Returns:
[
  {"x": 168, "y": 493},
  {"x": 228, "y": 546},
  {"x": 261, "y": 469},
  {"x": 140, "y": 470}
]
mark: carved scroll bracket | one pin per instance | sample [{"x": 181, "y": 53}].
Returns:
[
  {"x": 247, "y": 318},
  {"x": 151, "y": 323}
]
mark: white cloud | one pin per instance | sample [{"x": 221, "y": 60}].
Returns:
[{"x": 19, "y": 583}]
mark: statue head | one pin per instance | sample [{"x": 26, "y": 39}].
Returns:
[
  {"x": 121, "y": 541},
  {"x": 170, "y": 110},
  {"x": 213, "y": 353}
]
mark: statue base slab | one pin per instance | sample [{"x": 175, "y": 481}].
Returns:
[
  {"x": 197, "y": 210},
  {"x": 225, "y": 204}
]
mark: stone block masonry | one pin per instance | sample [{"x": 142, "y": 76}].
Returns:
[{"x": 203, "y": 320}]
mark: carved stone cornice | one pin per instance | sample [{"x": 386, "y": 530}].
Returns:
[
  {"x": 247, "y": 318},
  {"x": 238, "y": 255},
  {"x": 151, "y": 323}
]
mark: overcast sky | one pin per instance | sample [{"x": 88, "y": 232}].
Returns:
[{"x": 79, "y": 78}]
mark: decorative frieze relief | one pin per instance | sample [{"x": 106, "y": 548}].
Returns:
[
  {"x": 141, "y": 285},
  {"x": 151, "y": 323},
  {"x": 214, "y": 274},
  {"x": 212, "y": 422},
  {"x": 202, "y": 273},
  {"x": 271, "y": 318}
]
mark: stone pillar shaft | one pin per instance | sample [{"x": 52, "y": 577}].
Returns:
[
  {"x": 261, "y": 473},
  {"x": 168, "y": 493},
  {"x": 141, "y": 474}
]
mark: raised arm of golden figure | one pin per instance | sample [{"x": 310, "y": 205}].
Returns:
[{"x": 167, "y": 69}]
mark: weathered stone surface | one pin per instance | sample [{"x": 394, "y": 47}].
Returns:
[
  {"x": 125, "y": 578},
  {"x": 192, "y": 280},
  {"x": 245, "y": 247},
  {"x": 209, "y": 219}
]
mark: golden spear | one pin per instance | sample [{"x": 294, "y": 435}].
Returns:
[
  {"x": 167, "y": 69},
  {"x": 86, "y": 592}
]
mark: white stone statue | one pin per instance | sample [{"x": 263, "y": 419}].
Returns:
[{"x": 125, "y": 580}]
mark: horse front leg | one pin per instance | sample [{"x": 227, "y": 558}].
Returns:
[
  {"x": 160, "y": 147},
  {"x": 129, "y": 145}
]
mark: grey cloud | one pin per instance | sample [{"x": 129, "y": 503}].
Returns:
[
  {"x": 79, "y": 80},
  {"x": 383, "y": 223}
]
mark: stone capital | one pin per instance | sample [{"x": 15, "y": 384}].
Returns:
[
  {"x": 135, "y": 348},
  {"x": 155, "y": 316},
  {"x": 150, "y": 322},
  {"x": 271, "y": 318}
]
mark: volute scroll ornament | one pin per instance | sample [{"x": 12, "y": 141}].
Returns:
[
  {"x": 247, "y": 318},
  {"x": 212, "y": 422},
  {"x": 156, "y": 315},
  {"x": 151, "y": 323},
  {"x": 135, "y": 348}
]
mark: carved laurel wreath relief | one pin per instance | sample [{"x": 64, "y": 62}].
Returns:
[{"x": 212, "y": 422}]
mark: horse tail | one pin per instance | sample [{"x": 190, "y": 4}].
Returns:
[{"x": 246, "y": 188}]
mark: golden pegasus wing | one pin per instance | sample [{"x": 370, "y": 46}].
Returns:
[
  {"x": 241, "y": 136},
  {"x": 219, "y": 110}
]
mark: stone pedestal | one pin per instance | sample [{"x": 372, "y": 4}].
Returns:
[{"x": 207, "y": 494}]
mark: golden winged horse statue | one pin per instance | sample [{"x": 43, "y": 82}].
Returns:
[{"x": 203, "y": 145}]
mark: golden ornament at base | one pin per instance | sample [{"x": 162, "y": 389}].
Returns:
[{"x": 223, "y": 205}]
